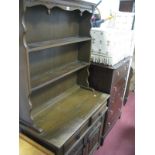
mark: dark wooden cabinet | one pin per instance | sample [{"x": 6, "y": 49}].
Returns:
[
  {"x": 58, "y": 109},
  {"x": 110, "y": 80},
  {"x": 90, "y": 140}
]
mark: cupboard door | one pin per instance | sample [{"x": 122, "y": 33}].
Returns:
[{"x": 94, "y": 138}]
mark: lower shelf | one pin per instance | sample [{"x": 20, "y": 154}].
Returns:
[
  {"x": 62, "y": 119},
  {"x": 40, "y": 81}
]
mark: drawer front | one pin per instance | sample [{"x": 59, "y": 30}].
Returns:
[
  {"x": 76, "y": 136},
  {"x": 109, "y": 125},
  {"x": 118, "y": 89},
  {"x": 98, "y": 114},
  {"x": 87, "y": 142},
  {"x": 120, "y": 73},
  {"x": 116, "y": 99},
  {"x": 77, "y": 149},
  {"x": 114, "y": 104},
  {"x": 82, "y": 131},
  {"x": 115, "y": 107}
]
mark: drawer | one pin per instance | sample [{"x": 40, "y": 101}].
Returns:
[
  {"x": 115, "y": 106},
  {"x": 120, "y": 73},
  {"x": 100, "y": 112},
  {"x": 114, "y": 109},
  {"x": 118, "y": 88},
  {"x": 76, "y": 136},
  {"x": 83, "y": 133},
  {"x": 88, "y": 124},
  {"x": 77, "y": 149},
  {"x": 109, "y": 124}
]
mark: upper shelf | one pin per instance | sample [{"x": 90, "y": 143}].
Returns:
[
  {"x": 47, "y": 78},
  {"x": 55, "y": 43}
]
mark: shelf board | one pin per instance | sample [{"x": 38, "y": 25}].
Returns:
[
  {"x": 51, "y": 76},
  {"x": 55, "y": 43},
  {"x": 67, "y": 113}
]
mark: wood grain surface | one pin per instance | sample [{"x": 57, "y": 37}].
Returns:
[{"x": 29, "y": 147}]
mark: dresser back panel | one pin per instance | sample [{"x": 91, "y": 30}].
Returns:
[
  {"x": 58, "y": 24},
  {"x": 50, "y": 59}
]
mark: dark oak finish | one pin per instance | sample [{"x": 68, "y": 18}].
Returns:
[
  {"x": 112, "y": 80},
  {"x": 55, "y": 43},
  {"x": 128, "y": 86},
  {"x": 49, "y": 77},
  {"x": 58, "y": 109}
]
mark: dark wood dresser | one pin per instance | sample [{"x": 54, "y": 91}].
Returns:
[
  {"x": 110, "y": 80},
  {"x": 58, "y": 109}
]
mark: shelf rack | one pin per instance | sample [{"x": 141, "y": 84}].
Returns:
[{"x": 56, "y": 101}]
